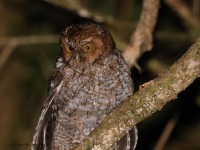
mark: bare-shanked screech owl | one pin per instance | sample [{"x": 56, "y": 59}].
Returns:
[{"x": 90, "y": 78}]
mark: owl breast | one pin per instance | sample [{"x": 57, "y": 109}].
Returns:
[{"x": 86, "y": 95}]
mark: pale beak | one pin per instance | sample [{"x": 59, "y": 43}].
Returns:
[{"x": 78, "y": 59}]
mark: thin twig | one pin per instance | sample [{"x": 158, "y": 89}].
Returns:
[
  {"x": 25, "y": 40},
  {"x": 167, "y": 132},
  {"x": 141, "y": 40},
  {"x": 184, "y": 12},
  {"x": 6, "y": 53},
  {"x": 81, "y": 9},
  {"x": 12, "y": 42}
]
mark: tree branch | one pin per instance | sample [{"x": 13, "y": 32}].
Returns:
[
  {"x": 184, "y": 12},
  {"x": 12, "y": 42},
  {"x": 142, "y": 39},
  {"x": 81, "y": 9},
  {"x": 146, "y": 101}
]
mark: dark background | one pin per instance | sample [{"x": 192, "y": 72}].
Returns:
[{"x": 24, "y": 75}]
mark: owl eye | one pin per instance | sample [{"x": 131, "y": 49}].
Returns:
[
  {"x": 88, "y": 47},
  {"x": 70, "y": 48}
]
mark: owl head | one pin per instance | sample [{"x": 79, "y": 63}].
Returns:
[{"x": 86, "y": 43}]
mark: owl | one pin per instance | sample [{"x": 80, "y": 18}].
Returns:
[{"x": 90, "y": 78}]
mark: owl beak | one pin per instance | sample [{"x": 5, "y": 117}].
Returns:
[{"x": 78, "y": 59}]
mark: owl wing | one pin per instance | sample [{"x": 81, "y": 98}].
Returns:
[
  {"x": 130, "y": 139},
  {"x": 47, "y": 118}
]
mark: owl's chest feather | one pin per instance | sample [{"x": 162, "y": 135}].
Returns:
[
  {"x": 87, "y": 95},
  {"x": 89, "y": 90}
]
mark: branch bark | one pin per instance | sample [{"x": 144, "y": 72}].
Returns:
[
  {"x": 146, "y": 101},
  {"x": 142, "y": 39}
]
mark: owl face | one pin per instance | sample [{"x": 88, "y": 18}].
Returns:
[{"x": 85, "y": 43}]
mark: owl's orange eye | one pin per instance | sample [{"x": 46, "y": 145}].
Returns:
[
  {"x": 70, "y": 48},
  {"x": 88, "y": 47}
]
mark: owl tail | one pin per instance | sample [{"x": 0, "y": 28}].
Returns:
[
  {"x": 44, "y": 130},
  {"x": 129, "y": 140}
]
